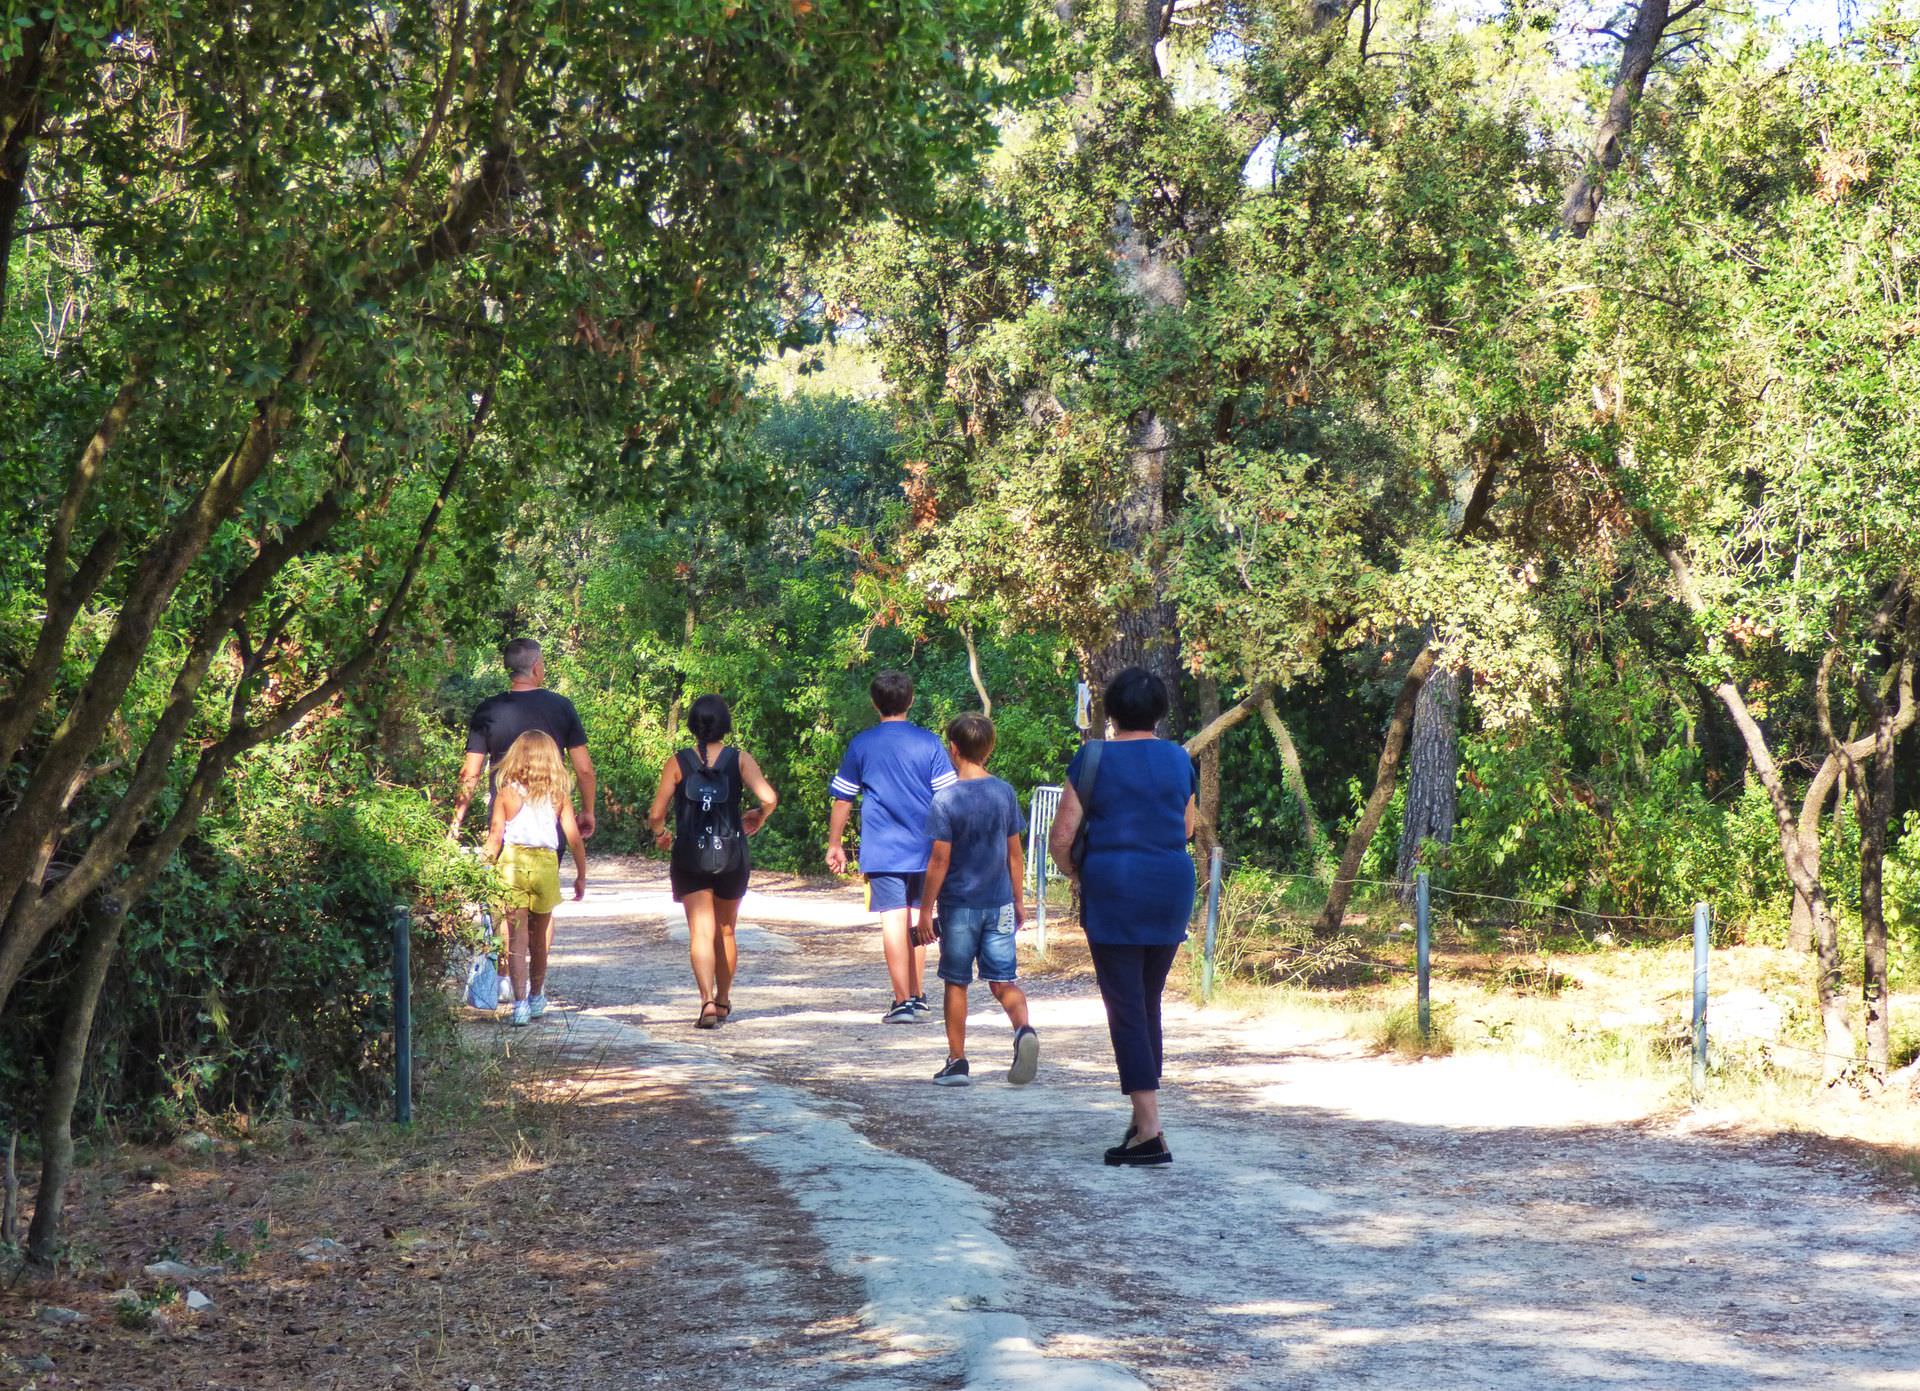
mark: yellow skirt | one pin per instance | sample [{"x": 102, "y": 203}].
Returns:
[{"x": 533, "y": 877}]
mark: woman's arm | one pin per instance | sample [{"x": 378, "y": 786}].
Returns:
[
  {"x": 571, "y": 826},
  {"x": 506, "y": 806},
  {"x": 1066, "y": 825},
  {"x": 1193, "y": 816},
  {"x": 657, "y": 813},
  {"x": 753, "y": 819}
]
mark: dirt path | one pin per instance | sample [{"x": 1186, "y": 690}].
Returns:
[{"x": 1332, "y": 1220}]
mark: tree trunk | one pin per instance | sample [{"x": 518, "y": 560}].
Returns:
[
  {"x": 680, "y": 685},
  {"x": 1874, "y": 800},
  {"x": 1825, "y": 784},
  {"x": 63, "y": 1086},
  {"x": 1207, "y": 831},
  {"x": 1433, "y": 772},
  {"x": 1295, "y": 781},
  {"x": 1340, "y": 892},
  {"x": 1145, "y": 637},
  {"x": 1637, "y": 53},
  {"x": 973, "y": 670},
  {"x": 22, "y": 112},
  {"x": 1831, "y": 987}
]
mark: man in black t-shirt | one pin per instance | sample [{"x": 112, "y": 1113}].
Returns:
[{"x": 498, "y": 720}]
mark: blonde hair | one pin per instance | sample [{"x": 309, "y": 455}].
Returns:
[{"x": 534, "y": 766}]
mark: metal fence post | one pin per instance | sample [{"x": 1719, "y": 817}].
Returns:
[
  {"x": 1040, "y": 904},
  {"x": 1701, "y": 920},
  {"x": 1213, "y": 922},
  {"x": 1422, "y": 939},
  {"x": 402, "y": 1015}
]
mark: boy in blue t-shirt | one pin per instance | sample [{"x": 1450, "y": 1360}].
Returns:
[
  {"x": 975, "y": 873},
  {"x": 894, "y": 768}
]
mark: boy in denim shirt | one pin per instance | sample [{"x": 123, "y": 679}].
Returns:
[{"x": 975, "y": 875}]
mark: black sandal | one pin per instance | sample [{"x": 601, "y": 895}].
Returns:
[
  {"x": 726, "y": 1009},
  {"x": 706, "y": 1020}
]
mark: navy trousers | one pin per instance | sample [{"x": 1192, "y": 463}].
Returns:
[{"x": 1131, "y": 981}]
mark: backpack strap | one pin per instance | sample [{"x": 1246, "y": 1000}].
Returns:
[{"x": 1089, "y": 774}]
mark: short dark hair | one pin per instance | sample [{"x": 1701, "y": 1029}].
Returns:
[
  {"x": 892, "y": 692},
  {"x": 521, "y": 655},
  {"x": 971, "y": 735},
  {"x": 710, "y": 720},
  {"x": 1136, "y": 699}
]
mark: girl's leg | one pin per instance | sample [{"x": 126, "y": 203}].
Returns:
[
  {"x": 503, "y": 931},
  {"x": 726, "y": 951},
  {"x": 540, "y": 942},
  {"x": 700, "y": 934},
  {"x": 517, "y": 953}
]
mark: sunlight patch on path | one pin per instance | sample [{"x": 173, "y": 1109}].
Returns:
[{"x": 939, "y": 1280}]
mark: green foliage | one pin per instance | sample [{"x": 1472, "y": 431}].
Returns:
[{"x": 788, "y": 619}]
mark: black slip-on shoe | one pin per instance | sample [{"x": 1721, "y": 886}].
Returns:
[{"x": 1152, "y": 1151}]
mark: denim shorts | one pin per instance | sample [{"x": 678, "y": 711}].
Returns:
[{"x": 985, "y": 935}]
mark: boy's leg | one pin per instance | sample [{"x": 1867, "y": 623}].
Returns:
[
  {"x": 540, "y": 943},
  {"x": 517, "y": 953},
  {"x": 700, "y": 935},
  {"x": 726, "y": 951},
  {"x": 1012, "y": 999},
  {"x": 956, "y": 1013},
  {"x": 905, "y": 962}
]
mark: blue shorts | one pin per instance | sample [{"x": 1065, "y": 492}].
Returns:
[
  {"x": 888, "y": 892},
  {"x": 985, "y": 935}
]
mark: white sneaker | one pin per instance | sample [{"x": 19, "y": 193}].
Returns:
[
  {"x": 537, "y": 1006},
  {"x": 521, "y": 1015}
]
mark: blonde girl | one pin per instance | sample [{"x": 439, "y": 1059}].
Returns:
[{"x": 532, "y": 809}]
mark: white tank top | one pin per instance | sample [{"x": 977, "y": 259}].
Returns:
[{"x": 536, "y": 824}]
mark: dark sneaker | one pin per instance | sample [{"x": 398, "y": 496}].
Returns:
[
  {"x": 901, "y": 1013},
  {"x": 954, "y": 1074},
  {"x": 920, "y": 1005},
  {"x": 1026, "y": 1057},
  {"x": 1152, "y": 1151}
]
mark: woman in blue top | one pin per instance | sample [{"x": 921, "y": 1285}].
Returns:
[{"x": 1136, "y": 885}]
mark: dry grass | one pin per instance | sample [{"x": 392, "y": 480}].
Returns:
[{"x": 1609, "y": 1013}]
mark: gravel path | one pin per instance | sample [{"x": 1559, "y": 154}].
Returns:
[{"x": 1332, "y": 1219}]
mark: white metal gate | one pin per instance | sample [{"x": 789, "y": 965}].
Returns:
[{"x": 1045, "y": 806}]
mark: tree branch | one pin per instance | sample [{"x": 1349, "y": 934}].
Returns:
[{"x": 1227, "y": 719}]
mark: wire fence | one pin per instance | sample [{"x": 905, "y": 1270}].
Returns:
[{"x": 1454, "y": 916}]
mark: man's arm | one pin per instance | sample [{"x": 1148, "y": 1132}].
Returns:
[
  {"x": 583, "y": 774},
  {"x": 470, "y": 771},
  {"x": 937, "y": 862},
  {"x": 836, "y": 833}
]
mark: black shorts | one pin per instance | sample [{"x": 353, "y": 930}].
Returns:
[{"x": 729, "y": 886}]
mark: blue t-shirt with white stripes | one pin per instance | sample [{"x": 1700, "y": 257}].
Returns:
[{"x": 893, "y": 770}]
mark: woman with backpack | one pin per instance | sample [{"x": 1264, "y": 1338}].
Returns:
[{"x": 709, "y": 868}]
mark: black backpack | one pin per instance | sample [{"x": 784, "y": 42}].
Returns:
[{"x": 709, "y": 811}]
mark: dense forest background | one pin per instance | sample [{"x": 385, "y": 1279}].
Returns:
[{"x": 1499, "y": 426}]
